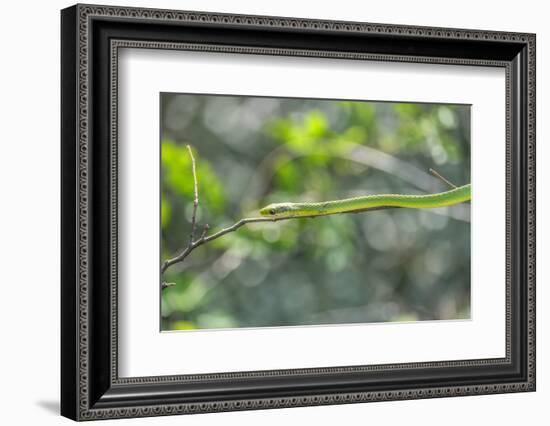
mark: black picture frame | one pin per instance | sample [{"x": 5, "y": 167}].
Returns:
[{"x": 90, "y": 386}]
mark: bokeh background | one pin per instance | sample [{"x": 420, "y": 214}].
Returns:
[{"x": 389, "y": 265}]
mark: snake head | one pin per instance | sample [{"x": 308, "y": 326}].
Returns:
[{"x": 277, "y": 210}]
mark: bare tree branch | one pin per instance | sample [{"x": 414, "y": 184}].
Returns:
[
  {"x": 193, "y": 244},
  {"x": 204, "y": 239}
]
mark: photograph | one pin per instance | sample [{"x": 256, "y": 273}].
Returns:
[
  {"x": 271, "y": 207},
  {"x": 300, "y": 212}
]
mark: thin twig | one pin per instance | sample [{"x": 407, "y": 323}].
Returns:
[
  {"x": 436, "y": 174},
  {"x": 192, "y": 243},
  {"x": 196, "y": 199},
  {"x": 166, "y": 285}
]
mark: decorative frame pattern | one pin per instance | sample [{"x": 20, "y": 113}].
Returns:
[{"x": 91, "y": 388}]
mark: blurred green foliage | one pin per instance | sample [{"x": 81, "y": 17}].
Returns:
[{"x": 391, "y": 265}]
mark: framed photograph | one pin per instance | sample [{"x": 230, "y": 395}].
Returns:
[{"x": 263, "y": 212}]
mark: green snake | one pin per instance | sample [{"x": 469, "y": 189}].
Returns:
[{"x": 368, "y": 202}]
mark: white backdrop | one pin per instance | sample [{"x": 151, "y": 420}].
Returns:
[{"x": 29, "y": 229}]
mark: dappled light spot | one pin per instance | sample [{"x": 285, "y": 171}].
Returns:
[
  {"x": 433, "y": 221},
  {"x": 380, "y": 231}
]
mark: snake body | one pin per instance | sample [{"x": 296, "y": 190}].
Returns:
[{"x": 368, "y": 202}]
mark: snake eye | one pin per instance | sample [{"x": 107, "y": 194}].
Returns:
[{"x": 272, "y": 211}]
